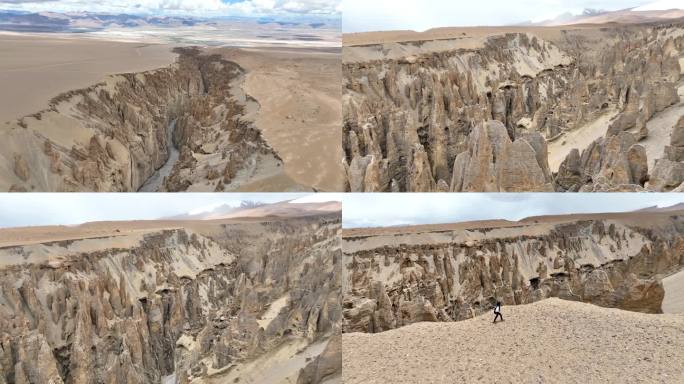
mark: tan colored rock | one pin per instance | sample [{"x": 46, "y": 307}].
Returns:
[
  {"x": 358, "y": 315},
  {"x": 21, "y": 168},
  {"x": 570, "y": 175},
  {"x": 357, "y": 172},
  {"x": 677, "y": 136},
  {"x": 424, "y": 94},
  {"x": 667, "y": 175},
  {"x": 614, "y": 163},
  {"x": 495, "y": 164},
  {"x": 326, "y": 366},
  {"x": 675, "y": 151},
  {"x": 146, "y": 303},
  {"x": 420, "y": 176}
]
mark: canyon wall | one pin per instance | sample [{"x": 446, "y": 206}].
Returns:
[
  {"x": 113, "y": 136},
  {"x": 449, "y": 116},
  {"x": 178, "y": 305},
  {"x": 397, "y": 278}
]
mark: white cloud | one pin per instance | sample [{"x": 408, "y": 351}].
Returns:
[
  {"x": 359, "y": 210},
  {"x": 377, "y": 15},
  {"x": 372, "y": 210},
  {"x": 182, "y": 7}
]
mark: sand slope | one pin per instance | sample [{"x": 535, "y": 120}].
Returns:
[
  {"x": 660, "y": 127},
  {"x": 673, "y": 302},
  {"x": 280, "y": 366},
  {"x": 549, "y": 341},
  {"x": 579, "y": 138}
]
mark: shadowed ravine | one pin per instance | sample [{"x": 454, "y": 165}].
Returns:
[{"x": 157, "y": 179}]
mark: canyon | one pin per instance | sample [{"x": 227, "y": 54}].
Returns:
[
  {"x": 397, "y": 276},
  {"x": 509, "y": 109},
  {"x": 251, "y": 296},
  {"x": 114, "y": 136}
]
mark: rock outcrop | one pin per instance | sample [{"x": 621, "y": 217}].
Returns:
[
  {"x": 412, "y": 109},
  {"x": 611, "y": 164},
  {"x": 493, "y": 163},
  {"x": 401, "y": 276},
  {"x": 177, "y": 304}
]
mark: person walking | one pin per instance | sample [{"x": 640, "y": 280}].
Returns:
[{"x": 497, "y": 311}]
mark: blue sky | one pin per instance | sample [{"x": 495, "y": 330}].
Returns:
[
  {"x": 419, "y": 15},
  {"x": 319, "y": 8},
  {"x": 373, "y": 210}
]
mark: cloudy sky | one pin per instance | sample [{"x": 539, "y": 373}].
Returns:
[
  {"x": 375, "y": 210},
  {"x": 18, "y": 210},
  {"x": 323, "y": 8},
  {"x": 419, "y": 15},
  {"x": 359, "y": 210}
]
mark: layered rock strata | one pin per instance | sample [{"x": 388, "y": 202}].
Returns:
[
  {"x": 182, "y": 304},
  {"x": 399, "y": 277}
]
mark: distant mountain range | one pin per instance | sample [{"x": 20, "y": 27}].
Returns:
[
  {"x": 644, "y": 14},
  {"x": 257, "y": 209},
  {"x": 90, "y": 22}
]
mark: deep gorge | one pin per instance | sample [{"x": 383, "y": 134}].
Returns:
[
  {"x": 126, "y": 119},
  {"x": 463, "y": 119},
  {"x": 186, "y": 302}
]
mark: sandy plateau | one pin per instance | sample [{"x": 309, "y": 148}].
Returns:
[
  {"x": 253, "y": 295},
  {"x": 33, "y": 70},
  {"x": 299, "y": 109}
]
